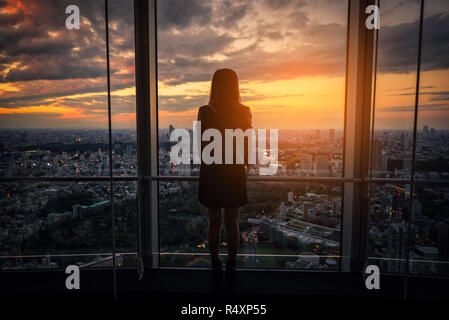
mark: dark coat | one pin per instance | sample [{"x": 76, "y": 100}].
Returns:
[{"x": 223, "y": 185}]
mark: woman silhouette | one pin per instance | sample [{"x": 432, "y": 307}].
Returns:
[{"x": 223, "y": 186}]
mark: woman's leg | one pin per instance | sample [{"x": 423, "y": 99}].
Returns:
[
  {"x": 231, "y": 217},
  {"x": 214, "y": 229}
]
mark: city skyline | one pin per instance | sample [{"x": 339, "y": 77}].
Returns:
[{"x": 295, "y": 225}]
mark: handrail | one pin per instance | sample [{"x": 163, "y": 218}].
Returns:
[
  {"x": 259, "y": 179},
  {"x": 250, "y": 178}
]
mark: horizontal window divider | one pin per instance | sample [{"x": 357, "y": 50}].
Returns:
[
  {"x": 406, "y": 181},
  {"x": 305, "y": 179},
  {"x": 66, "y": 179},
  {"x": 259, "y": 179},
  {"x": 58, "y": 255},
  {"x": 250, "y": 178}
]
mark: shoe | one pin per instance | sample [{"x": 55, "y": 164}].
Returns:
[
  {"x": 231, "y": 265},
  {"x": 231, "y": 275},
  {"x": 216, "y": 264}
]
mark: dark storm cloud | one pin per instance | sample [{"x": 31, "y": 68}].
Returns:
[
  {"x": 9, "y": 20},
  {"x": 72, "y": 54},
  {"x": 43, "y": 16},
  {"x": 182, "y": 13},
  {"x": 444, "y": 93},
  {"x": 440, "y": 98},
  {"x": 398, "y": 45},
  {"x": 180, "y": 103},
  {"x": 411, "y": 88},
  {"x": 283, "y": 4},
  {"x": 436, "y": 42},
  {"x": 424, "y": 107},
  {"x": 204, "y": 43},
  {"x": 56, "y": 69},
  {"x": 40, "y": 99},
  {"x": 436, "y": 95},
  {"x": 232, "y": 13},
  {"x": 188, "y": 76},
  {"x": 121, "y": 13},
  {"x": 297, "y": 19},
  {"x": 187, "y": 55}
]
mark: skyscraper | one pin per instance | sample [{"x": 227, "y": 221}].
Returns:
[
  {"x": 396, "y": 236},
  {"x": 377, "y": 155},
  {"x": 306, "y": 163},
  {"x": 331, "y": 135},
  {"x": 322, "y": 166}
]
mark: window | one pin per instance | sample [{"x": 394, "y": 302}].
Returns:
[
  {"x": 308, "y": 76},
  {"x": 55, "y": 150},
  {"x": 408, "y": 220},
  {"x": 293, "y": 78}
]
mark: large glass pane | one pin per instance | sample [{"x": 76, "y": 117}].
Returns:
[
  {"x": 55, "y": 224},
  {"x": 284, "y": 225},
  {"x": 290, "y": 57},
  {"x": 53, "y": 111},
  {"x": 387, "y": 227},
  {"x": 126, "y": 232},
  {"x": 429, "y": 252},
  {"x": 123, "y": 95},
  {"x": 395, "y": 88},
  {"x": 182, "y": 225},
  {"x": 432, "y": 153}
]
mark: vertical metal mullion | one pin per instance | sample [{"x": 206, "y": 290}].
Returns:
[
  {"x": 358, "y": 99},
  {"x": 370, "y": 64},
  {"x": 343, "y": 246},
  {"x": 371, "y": 151},
  {"x": 349, "y": 135},
  {"x": 142, "y": 66},
  {"x": 373, "y": 95},
  {"x": 412, "y": 177},
  {"x": 111, "y": 181},
  {"x": 154, "y": 150}
]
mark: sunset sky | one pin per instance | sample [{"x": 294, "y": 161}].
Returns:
[{"x": 289, "y": 56}]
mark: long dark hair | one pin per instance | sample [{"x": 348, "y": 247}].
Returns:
[{"x": 224, "y": 88}]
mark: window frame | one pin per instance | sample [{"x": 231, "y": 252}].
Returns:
[{"x": 359, "y": 57}]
